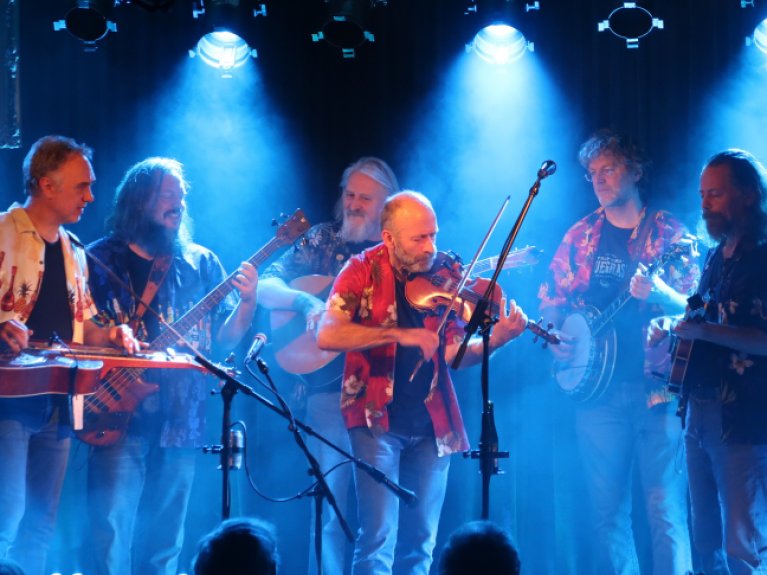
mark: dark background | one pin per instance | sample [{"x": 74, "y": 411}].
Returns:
[{"x": 279, "y": 133}]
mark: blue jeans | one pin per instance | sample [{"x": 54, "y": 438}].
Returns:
[
  {"x": 412, "y": 462},
  {"x": 323, "y": 414},
  {"x": 614, "y": 433},
  {"x": 138, "y": 494},
  {"x": 728, "y": 489},
  {"x": 33, "y": 461}
]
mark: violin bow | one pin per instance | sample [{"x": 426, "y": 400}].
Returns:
[{"x": 465, "y": 278}]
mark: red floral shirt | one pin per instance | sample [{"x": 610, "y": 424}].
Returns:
[
  {"x": 365, "y": 292},
  {"x": 569, "y": 274}
]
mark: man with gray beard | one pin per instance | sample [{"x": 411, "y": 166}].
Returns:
[{"x": 365, "y": 185}]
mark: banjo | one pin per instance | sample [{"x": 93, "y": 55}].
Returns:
[{"x": 587, "y": 375}]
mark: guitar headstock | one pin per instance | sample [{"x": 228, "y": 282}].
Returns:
[
  {"x": 687, "y": 246},
  {"x": 527, "y": 256},
  {"x": 544, "y": 334},
  {"x": 293, "y": 228}
]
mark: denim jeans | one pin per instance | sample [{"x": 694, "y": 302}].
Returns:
[
  {"x": 393, "y": 538},
  {"x": 323, "y": 414},
  {"x": 728, "y": 489},
  {"x": 615, "y": 433},
  {"x": 33, "y": 461},
  {"x": 138, "y": 494}
]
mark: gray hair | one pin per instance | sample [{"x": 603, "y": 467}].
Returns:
[
  {"x": 47, "y": 155},
  {"x": 374, "y": 168}
]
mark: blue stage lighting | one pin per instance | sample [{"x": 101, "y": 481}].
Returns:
[
  {"x": 500, "y": 44},
  {"x": 760, "y": 36},
  {"x": 224, "y": 50}
]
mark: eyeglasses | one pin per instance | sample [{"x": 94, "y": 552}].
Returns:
[{"x": 607, "y": 172}]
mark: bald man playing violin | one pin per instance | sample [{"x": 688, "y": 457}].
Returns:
[{"x": 405, "y": 428}]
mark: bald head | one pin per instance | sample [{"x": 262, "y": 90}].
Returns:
[
  {"x": 403, "y": 207},
  {"x": 409, "y": 230}
]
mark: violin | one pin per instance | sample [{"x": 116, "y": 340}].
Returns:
[{"x": 432, "y": 292}]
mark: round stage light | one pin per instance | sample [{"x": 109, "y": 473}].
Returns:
[
  {"x": 760, "y": 36},
  {"x": 88, "y": 20},
  {"x": 499, "y": 44},
  {"x": 223, "y": 50}
]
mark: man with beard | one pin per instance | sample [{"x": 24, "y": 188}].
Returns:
[
  {"x": 725, "y": 393},
  {"x": 139, "y": 487},
  {"x": 365, "y": 185},
  {"x": 406, "y": 429},
  {"x": 44, "y": 279},
  {"x": 633, "y": 422}
]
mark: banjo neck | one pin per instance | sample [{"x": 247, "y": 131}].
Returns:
[{"x": 622, "y": 299}]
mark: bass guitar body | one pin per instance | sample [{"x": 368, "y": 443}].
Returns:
[
  {"x": 106, "y": 417},
  {"x": 295, "y": 349},
  {"x": 588, "y": 374}
]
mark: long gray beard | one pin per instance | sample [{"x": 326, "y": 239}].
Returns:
[{"x": 356, "y": 233}]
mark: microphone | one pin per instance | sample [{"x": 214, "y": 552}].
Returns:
[
  {"x": 547, "y": 169},
  {"x": 259, "y": 341},
  {"x": 406, "y": 496}
]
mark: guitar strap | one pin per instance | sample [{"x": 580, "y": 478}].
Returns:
[
  {"x": 642, "y": 234},
  {"x": 160, "y": 267}
]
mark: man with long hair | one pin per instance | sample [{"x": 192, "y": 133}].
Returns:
[
  {"x": 365, "y": 185},
  {"x": 725, "y": 396},
  {"x": 45, "y": 294},
  {"x": 633, "y": 422},
  {"x": 138, "y": 488}
]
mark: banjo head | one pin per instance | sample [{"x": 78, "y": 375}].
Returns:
[{"x": 571, "y": 376}]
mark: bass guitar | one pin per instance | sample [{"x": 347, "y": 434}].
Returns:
[
  {"x": 108, "y": 410},
  {"x": 587, "y": 375},
  {"x": 296, "y": 351}
]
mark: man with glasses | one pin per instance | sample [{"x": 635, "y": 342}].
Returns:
[{"x": 602, "y": 255}]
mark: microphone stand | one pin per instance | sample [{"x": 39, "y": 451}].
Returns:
[
  {"x": 231, "y": 386},
  {"x": 481, "y": 322}
]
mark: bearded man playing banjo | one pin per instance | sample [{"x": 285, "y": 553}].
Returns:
[{"x": 623, "y": 416}]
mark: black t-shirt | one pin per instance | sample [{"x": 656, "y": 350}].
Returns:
[
  {"x": 608, "y": 276},
  {"x": 52, "y": 312},
  {"x": 407, "y": 412}
]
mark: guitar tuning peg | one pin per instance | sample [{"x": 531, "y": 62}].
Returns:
[
  {"x": 539, "y": 321},
  {"x": 274, "y": 222},
  {"x": 549, "y": 326},
  {"x": 284, "y": 216},
  {"x": 545, "y": 344}
]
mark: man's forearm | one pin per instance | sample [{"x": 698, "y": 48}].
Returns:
[
  {"x": 236, "y": 325},
  {"x": 274, "y": 293},
  {"x": 348, "y": 336},
  {"x": 672, "y": 302},
  {"x": 744, "y": 339}
]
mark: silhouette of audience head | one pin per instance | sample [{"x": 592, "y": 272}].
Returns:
[
  {"x": 8, "y": 567},
  {"x": 479, "y": 548},
  {"x": 241, "y": 546}
]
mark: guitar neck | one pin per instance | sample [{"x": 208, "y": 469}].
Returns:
[{"x": 196, "y": 314}]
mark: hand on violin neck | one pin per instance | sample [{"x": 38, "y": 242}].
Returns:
[
  {"x": 511, "y": 323},
  {"x": 427, "y": 340}
]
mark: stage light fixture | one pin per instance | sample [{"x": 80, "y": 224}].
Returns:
[
  {"x": 226, "y": 45},
  {"x": 344, "y": 25},
  {"x": 759, "y": 38},
  {"x": 498, "y": 41},
  {"x": 630, "y": 22},
  {"x": 88, "y": 20}
]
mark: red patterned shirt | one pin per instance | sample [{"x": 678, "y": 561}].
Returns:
[
  {"x": 569, "y": 274},
  {"x": 365, "y": 292}
]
